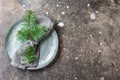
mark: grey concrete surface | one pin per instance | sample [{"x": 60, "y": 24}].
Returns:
[{"x": 89, "y": 49}]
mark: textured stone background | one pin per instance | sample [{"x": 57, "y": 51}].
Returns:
[{"x": 89, "y": 49}]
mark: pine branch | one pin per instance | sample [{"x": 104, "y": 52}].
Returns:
[
  {"x": 30, "y": 54},
  {"x": 31, "y": 31}
]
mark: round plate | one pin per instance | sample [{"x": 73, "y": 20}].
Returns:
[{"x": 48, "y": 48}]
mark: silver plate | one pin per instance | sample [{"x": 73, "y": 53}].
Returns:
[{"x": 48, "y": 48}]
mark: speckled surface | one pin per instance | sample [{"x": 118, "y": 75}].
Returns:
[{"x": 89, "y": 49}]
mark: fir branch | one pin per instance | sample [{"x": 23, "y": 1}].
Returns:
[
  {"x": 30, "y": 54},
  {"x": 31, "y": 31}
]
